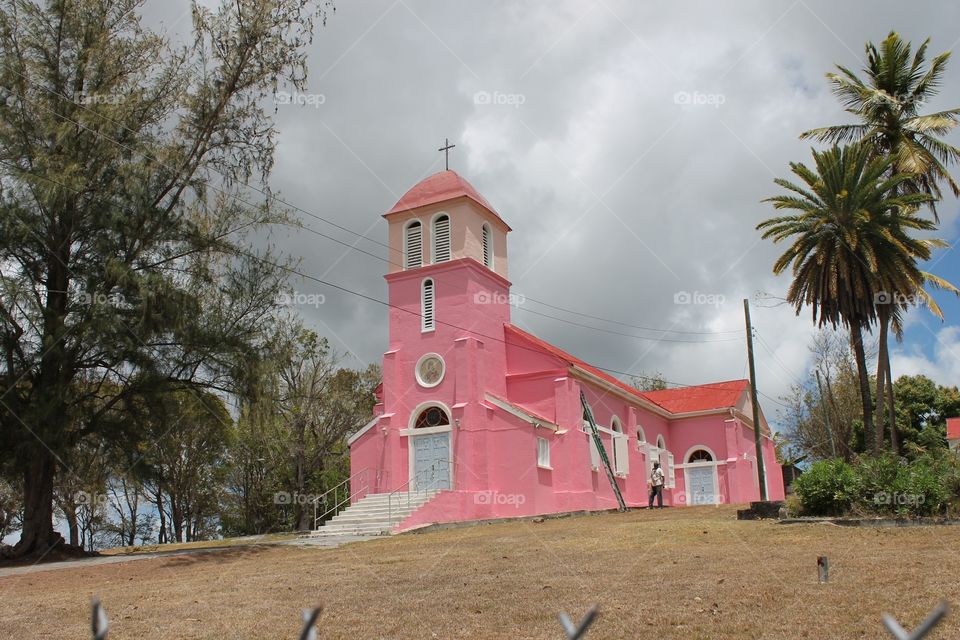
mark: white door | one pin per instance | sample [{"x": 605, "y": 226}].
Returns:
[
  {"x": 700, "y": 485},
  {"x": 431, "y": 462}
]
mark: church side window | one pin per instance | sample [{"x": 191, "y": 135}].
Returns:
[
  {"x": 487, "y": 247},
  {"x": 543, "y": 453},
  {"x": 413, "y": 245},
  {"x": 427, "y": 310},
  {"x": 441, "y": 238}
]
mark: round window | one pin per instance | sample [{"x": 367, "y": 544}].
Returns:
[{"x": 430, "y": 370}]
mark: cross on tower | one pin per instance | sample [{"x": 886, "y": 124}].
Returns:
[{"x": 446, "y": 152}]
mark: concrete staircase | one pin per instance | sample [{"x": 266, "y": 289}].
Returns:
[{"x": 374, "y": 515}]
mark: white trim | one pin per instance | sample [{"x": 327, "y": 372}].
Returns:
[
  {"x": 363, "y": 430},
  {"x": 601, "y": 429},
  {"x": 697, "y": 447},
  {"x": 426, "y": 430},
  {"x": 520, "y": 413},
  {"x": 406, "y": 256},
  {"x": 443, "y": 370},
  {"x": 685, "y": 465},
  {"x": 423, "y": 306}
]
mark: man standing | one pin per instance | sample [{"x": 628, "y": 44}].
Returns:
[{"x": 656, "y": 486}]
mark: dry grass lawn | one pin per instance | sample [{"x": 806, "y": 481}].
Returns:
[
  {"x": 203, "y": 544},
  {"x": 682, "y": 573}
]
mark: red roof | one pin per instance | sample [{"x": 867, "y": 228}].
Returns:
[
  {"x": 953, "y": 428},
  {"x": 717, "y": 395},
  {"x": 440, "y": 187}
]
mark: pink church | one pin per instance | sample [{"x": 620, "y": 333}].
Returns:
[{"x": 486, "y": 418}]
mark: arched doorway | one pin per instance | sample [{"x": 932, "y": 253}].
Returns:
[
  {"x": 430, "y": 457},
  {"x": 700, "y": 477}
]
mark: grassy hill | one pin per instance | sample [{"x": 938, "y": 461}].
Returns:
[{"x": 681, "y": 573}]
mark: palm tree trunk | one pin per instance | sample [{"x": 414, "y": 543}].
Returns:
[
  {"x": 883, "y": 313},
  {"x": 856, "y": 338},
  {"x": 891, "y": 414}
]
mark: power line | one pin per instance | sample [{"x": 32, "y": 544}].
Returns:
[
  {"x": 626, "y": 335},
  {"x": 632, "y": 326},
  {"x": 269, "y": 195},
  {"x": 370, "y": 298},
  {"x": 769, "y": 349},
  {"x": 773, "y": 400}
]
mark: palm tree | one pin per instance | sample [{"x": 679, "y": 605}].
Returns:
[
  {"x": 886, "y": 104},
  {"x": 849, "y": 226},
  {"x": 896, "y": 86},
  {"x": 895, "y": 321}
]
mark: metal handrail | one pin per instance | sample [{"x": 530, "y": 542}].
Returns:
[
  {"x": 337, "y": 503},
  {"x": 406, "y": 485}
]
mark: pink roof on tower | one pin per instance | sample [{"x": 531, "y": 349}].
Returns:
[
  {"x": 440, "y": 187},
  {"x": 953, "y": 428}
]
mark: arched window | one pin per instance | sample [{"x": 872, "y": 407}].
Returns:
[
  {"x": 432, "y": 417},
  {"x": 441, "y": 238},
  {"x": 413, "y": 245},
  {"x": 641, "y": 436},
  {"x": 661, "y": 443},
  {"x": 615, "y": 425},
  {"x": 427, "y": 306},
  {"x": 700, "y": 455},
  {"x": 487, "y": 247}
]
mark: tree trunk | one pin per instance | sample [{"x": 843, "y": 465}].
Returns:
[
  {"x": 856, "y": 337},
  {"x": 891, "y": 413},
  {"x": 176, "y": 519},
  {"x": 37, "y": 535},
  {"x": 70, "y": 513},
  {"x": 882, "y": 364},
  {"x": 162, "y": 533},
  {"x": 299, "y": 508}
]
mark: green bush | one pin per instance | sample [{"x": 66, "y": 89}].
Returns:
[
  {"x": 827, "y": 488},
  {"x": 928, "y": 485}
]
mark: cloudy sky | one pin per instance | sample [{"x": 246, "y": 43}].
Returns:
[{"x": 628, "y": 145}]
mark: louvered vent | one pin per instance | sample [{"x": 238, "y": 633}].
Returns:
[
  {"x": 441, "y": 239},
  {"x": 413, "y": 250},
  {"x": 427, "y": 306},
  {"x": 487, "y": 248}
]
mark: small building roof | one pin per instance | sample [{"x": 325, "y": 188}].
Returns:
[{"x": 953, "y": 428}]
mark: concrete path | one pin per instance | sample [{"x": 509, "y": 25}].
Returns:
[{"x": 325, "y": 542}]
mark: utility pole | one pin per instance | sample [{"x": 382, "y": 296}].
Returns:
[
  {"x": 761, "y": 474},
  {"x": 826, "y": 415}
]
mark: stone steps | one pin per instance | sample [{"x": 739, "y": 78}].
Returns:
[{"x": 375, "y": 514}]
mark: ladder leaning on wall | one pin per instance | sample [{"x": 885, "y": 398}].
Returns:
[{"x": 595, "y": 434}]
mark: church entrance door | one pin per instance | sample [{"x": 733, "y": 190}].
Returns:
[
  {"x": 431, "y": 462},
  {"x": 701, "y": 485}
]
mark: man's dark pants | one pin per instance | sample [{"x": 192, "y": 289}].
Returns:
[{"x": 658, "y": 492}]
